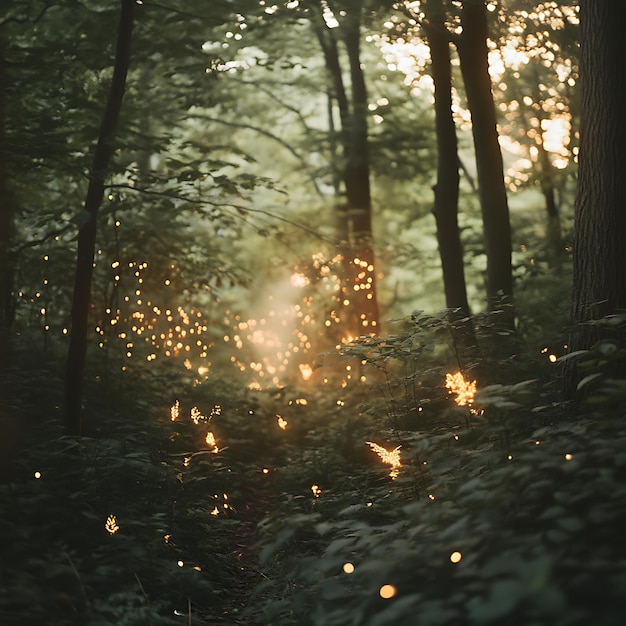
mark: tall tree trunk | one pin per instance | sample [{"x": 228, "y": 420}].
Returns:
[
  {"x": 9, "y": 425},
  {"x": 600, "y": 209},
  {"x": 81, "y": 302},
  {"x": 358, "y": 302},
  {"x": 7, "y": 227},
  {"x": 357, "y": 181},
  {"x": 473, "y": 52},
  {"x": 338, "y": 94},
  {"x": 447, "y": 186}
]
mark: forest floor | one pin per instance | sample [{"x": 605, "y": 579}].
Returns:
[{"x": 511, "y": 514}]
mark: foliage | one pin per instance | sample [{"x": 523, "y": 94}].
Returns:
[
  {"x": 163, "y": 552},
  {"x": 510, "y": 513}
]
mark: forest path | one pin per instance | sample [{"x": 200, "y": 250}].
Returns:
[{"x": 255, "y": 498}]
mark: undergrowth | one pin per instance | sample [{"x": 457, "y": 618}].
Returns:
[{"x": 508, "y": 509}]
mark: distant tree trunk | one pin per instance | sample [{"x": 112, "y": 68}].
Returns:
[
  {"x": 600, "y": 210},
  {"x": 357, "y": 181},
  {"x": 358, "y": 300},
  {"x": 473, "y": 52},
  {"x": 554, "y": 241},
  {"x": 328, "y": 43},
  {"x": 81, "y": 302}
]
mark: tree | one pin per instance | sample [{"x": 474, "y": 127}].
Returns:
[
  {"x": 473, "y": 53},
  {"x": 6, "y": 226},
  {"x": 354, "y": 219},
  {"x": 447, "y": 186},
  {"x": 599, "y": 288},
  {"x": 81, "y": 301}
]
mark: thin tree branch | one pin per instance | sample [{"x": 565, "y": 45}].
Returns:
[{"x": 265, "y": 133}]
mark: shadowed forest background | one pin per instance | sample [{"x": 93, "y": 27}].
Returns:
[{"x": 312, "y": 312}]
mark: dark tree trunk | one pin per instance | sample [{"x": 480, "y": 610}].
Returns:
[
  {"x": 354, "y": 218},
  {"x": 357, "y": 181},
  {"x": 7, "y": 227},
  {"x": 9, "y": 424},
  {"x": 600, "y": 210},
  {"x": 81, "y": 302},
  {"x": 447, "y": 186},
  {"x": 473, "y": 52}
]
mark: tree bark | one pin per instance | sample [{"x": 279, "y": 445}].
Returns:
[
  {"x": 599, "y": 287},
  {"x": 81, "y": 303},
  {"x": 446, "y": 189},
  {"x": 360, "y": 315},
  {"x": 473, "y": 52},
  {"x": 357, "y": 181},
  {"x": 7, "y": 228}
]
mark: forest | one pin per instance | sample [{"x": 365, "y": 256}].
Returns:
[{"x": 312, "y": 312}]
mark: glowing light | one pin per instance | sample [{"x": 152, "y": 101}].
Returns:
[
  {"x": 390, "y": 457},
  {"x": 568, "y": 457},
  {"x": 299, "y": 280},
  {"x": 111, "y": 525},
  {"x": 167, "y": 538},
  {"x": 196, "y": 415},
  {"x": 348, "y": 568},
  {"x": 282, "y": 423},
  {"x": 316, "y": 490},
  {"x": 37, "y": 474},
  {"x": 464, "y": 390},
  {"x": 456, "y": 557},
  {"x": 305, "y": 370},
  {"x": 265, "y": 470},
  {"x": 552, "y": 358},
  {"x": 210, "y": 441},
  {"x": 180, "y": 563},
  {"x": 387, "y": 591},
  {"x": 175, "y": 411}
]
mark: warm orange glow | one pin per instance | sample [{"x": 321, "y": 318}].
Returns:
[
  {"x": 456, "y": 557},
  {"x": 316, "y": 490},
  {"x": 568, "y": 457},
  {"x": 175, "y": 411},
  {"x": 348, "y": 568},
  {"x": 196, "y": 415},
  {"x": 464, "y": 390},
  {"x": 111, "y": 525},
  {"x": 282, "y": 423},
  {"x": 210, "y": 441},
  {"x": 387, "y": 591},
  {"x": 305, "y": 370},
  {"x": 390, "y": 457}
]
